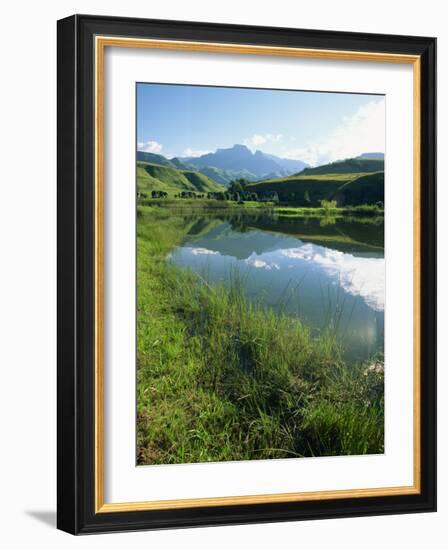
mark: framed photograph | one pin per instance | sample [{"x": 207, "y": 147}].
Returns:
[{"x": 246, "y": 274}]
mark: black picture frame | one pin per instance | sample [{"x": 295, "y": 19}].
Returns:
[{"x": 76, "y": 256}]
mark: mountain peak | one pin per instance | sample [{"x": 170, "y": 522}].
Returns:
[
  {"x": 240, "y": 147},
  {"x": 374, "y": 155},
  {"x": 239, "y": 158}
]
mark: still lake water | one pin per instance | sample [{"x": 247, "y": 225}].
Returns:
[{"x": 328, "y": 273}]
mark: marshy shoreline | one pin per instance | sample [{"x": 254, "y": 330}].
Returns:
[{"x": 219, "y": 378}]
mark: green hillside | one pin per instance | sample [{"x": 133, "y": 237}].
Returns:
[
  {"x": 179, "y": 164},
  {"x": 155, "y": 177},
  {"x": 217, "y": 175},
  {"x": 308, "y": 190},
  {"x": 347, "y": 166},
  {"x": 367, "y": 189},
  {"x": 224, "y": 177},
  {"x": 154, "y": 158},
  {"x": 201, "y": 182}
]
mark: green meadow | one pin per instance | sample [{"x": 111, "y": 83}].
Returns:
[
  {"x": 152, "y": 176},
  {"x": 221, "y": 377}
]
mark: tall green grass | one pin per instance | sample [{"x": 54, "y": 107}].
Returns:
[{"x": 221, "y": 378}]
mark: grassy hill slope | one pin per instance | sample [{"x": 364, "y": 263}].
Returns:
[
  {"x": 218, "y": 175},
  {"x": 156, "y": 177},
  {"x": 299, "y": 188},
  {"x": 347, "y": 166},
  {"x": 224, "y": 177},
  {"x": 367, "y": 189},
  {"x": 308, "y": 190},
  {"x": 154, "y": 158}
]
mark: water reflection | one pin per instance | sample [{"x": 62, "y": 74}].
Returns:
[{"x": 330, "y": 275}]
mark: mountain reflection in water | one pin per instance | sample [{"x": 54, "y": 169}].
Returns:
[{"x": 331, "y": 275}]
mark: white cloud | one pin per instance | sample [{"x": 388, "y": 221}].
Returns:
[
  {"x": 260, "y": 139},
  {"x": 202, "y": 251},
  {"x": 360, "y": 133},
  {"x": 358, "y": 276},
  {"x": 188, "y": 152},
  {"x": 149, "y": 147},
  {"x": 261, "y": 264}
]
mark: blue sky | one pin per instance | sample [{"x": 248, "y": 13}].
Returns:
[{"x": 317, "y": 127}]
